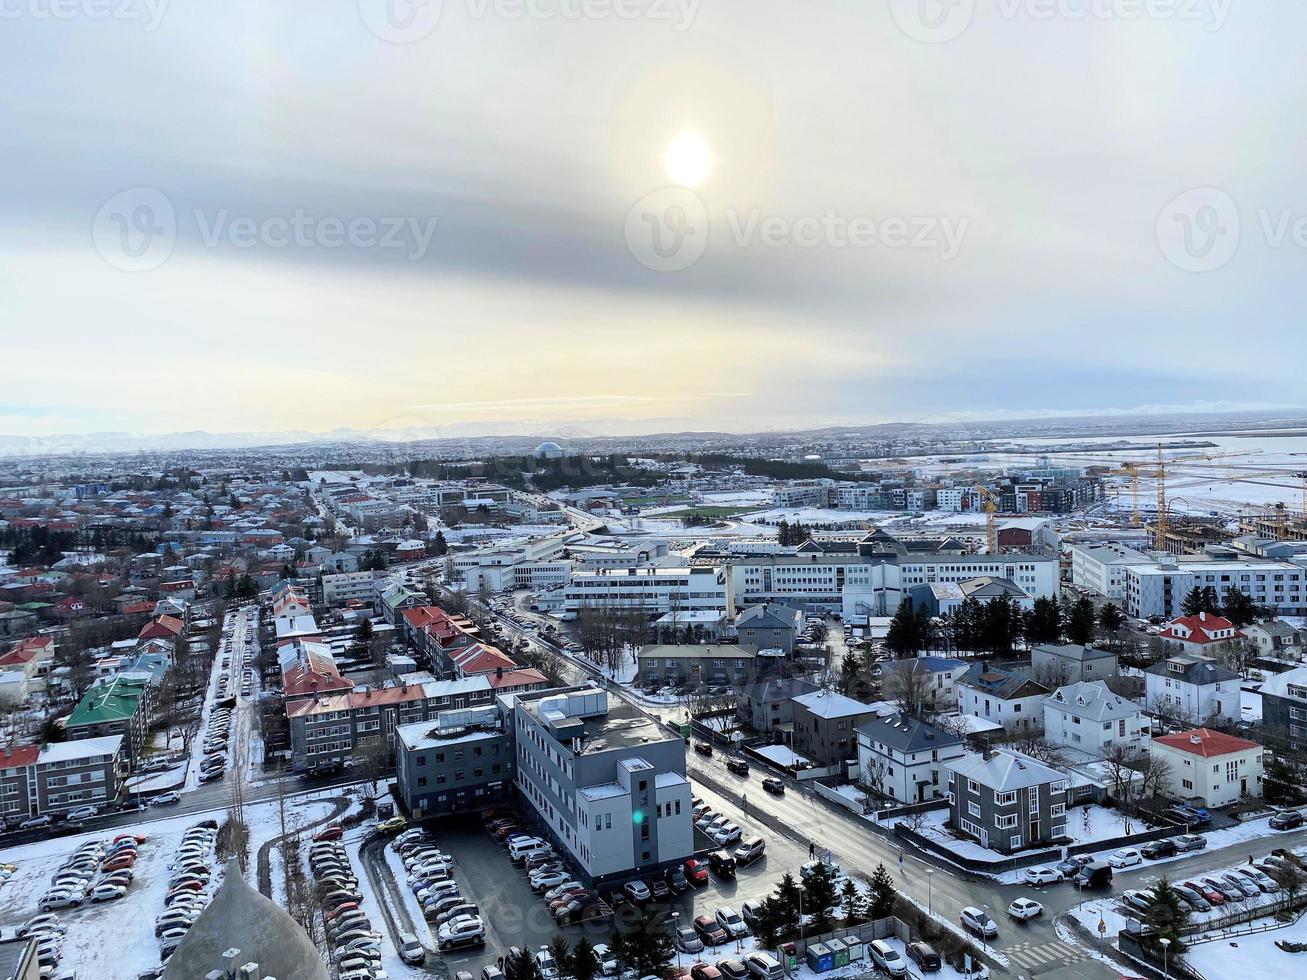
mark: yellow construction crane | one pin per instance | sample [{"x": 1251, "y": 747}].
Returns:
[{"x": 990, "y": 506}]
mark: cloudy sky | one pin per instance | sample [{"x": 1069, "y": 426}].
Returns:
[{"x": 308, "y": 214}]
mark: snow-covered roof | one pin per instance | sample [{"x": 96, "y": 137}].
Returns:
[{"x": 1004, "y": 771}]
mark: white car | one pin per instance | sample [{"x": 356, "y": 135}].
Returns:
[
  {"x": 730, "y": 920},
  {"x": 887, "y": 958},
  {"x": 1039, "y": 877},
  {"x": 107, "y": 893},
  {"x": 1127, "y": 857},
  {"x": 728, "y": 834},
  {"x": 978, "y": 921},
  {"x": 1022, "y": 909}
]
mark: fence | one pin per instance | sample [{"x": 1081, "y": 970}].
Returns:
[
  {"x": 1024, "y": 860},
  {"x": 908, "y": 809},
  {"x": 848, "y": 802}
]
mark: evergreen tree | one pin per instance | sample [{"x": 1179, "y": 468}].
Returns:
[
  {"x": 647, "y": 948},
  {"x": 1192, "y": 603},
  {"x": 440, "y": 547},
  {"x": 909, "y": 631},
  {"x": 1239, "y": 607},
  {"x": 1080, "y": 625},
  {"x": 850, "y": 671},
  {"x": 561, "y": 953},
  {"x": 1110, "y": 618},
  {"x": 852, "y": 904},
  {"x": 787, "y": 906},
  {"x": 584, "y": 962},
  {"x": 883, "y": 893},
  {"x": 1044, "y": 622},
  {"x": 1211, "y": 601},
  {"x": 1000, "y": 625},
  {"x": 770, "y": 925},
  {"x": 1166, "y": 917},
  {"x": 522, "y": 965},
  {"x": 821, "y": 899}
]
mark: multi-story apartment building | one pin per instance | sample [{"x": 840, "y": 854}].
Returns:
[
  {"x": 1284, "y": 707},
  {"x": 1067, "y": 663},
  {"x": 1087, "y": 717},
  {"x": 1100, "y": 568},
  {"x": 122, "y": 706},
  {"x": 60, "y": 776},
  {"x": 696, "y": 664},
  {"x": 1007, "y": 801},
  {"x": 1158, "y": 588},
  {"x": 339, "y": 588},
  {"x": 329, "y": 729},
  {"x": 650, "y": 590},
  {"x": 605, "y": 783},
  {"x": 460, "y": 761},
  {"x": 825, "y": 726},
  {"x": 1011, "y": 698}
]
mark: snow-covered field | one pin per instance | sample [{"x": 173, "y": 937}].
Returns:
[
  {"x": 1248, "y": 956},
  {"x": 115, "y": 940}
]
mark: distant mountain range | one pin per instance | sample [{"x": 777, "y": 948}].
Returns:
[{"x": 598, "y": 432}]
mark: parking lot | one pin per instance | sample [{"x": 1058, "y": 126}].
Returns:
[{"x": 516, "y": 916}]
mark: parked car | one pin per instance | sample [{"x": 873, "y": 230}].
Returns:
[
  {"x": 1072, "y": 865},
  {"x": 750, "y": 851},
  {"x": 1126, "y": 857},
  {"x": 763, "y": 966},
  {"x": 722, "y": 864},
  {"x": 1039, "y": 877},
  {"x": 696, "y": 872},
  {"x": 1158, "y": 849},
  {"x": 637, "y": 891},
  {"x": 1189, "y": 814},
  {"x": 732, "y": 922},
  {"x": 676, "y": 880},
  {"x": 1213, "y": 895},
  {"x": 711, "y": 931},
  {"x": 1287, "y": 820},
  {"x": 1190, "y": 842},
  {"x": 887, "y": 958},
  {"x": 1095, "y": 874},
  {"x": 1192, "y": 898},
  {"x": 924, "y": 955},
  {"x": 732, "y": 969},
  {"x": 1138, "y": 899},
  {"x": 978, "y": 921},
  {"x": 688, "y": 940}
]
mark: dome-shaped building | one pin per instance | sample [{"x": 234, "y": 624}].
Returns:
[
  {"x": 240, "y": 918},
  {"x": 548, "y": 450}
]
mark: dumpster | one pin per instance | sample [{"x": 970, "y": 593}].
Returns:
[
  {"x": 839, "y": 953},
  {"x": 790, "y": 957},
  {"x": 819, "y": 958},
  {"x": 857, "y": 950}
]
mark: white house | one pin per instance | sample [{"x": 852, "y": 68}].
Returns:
[
  {"x": 1006, "y": 697},
  {"x": 1195, "y": 688},
  {"x": 1218, "y": 768},
  {"x": 905, "y": 758},
  {"x": 1203, "y": 633},
  {"x": 1088, "y": 717},
  {"x": 934, "y": 678}
]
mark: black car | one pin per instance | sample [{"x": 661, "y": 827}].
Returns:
[
  {"x": 738, "y": 766},
  {"x": 773, "y": 785},
  {"x": 703, "y": 748},
  {"x": 722, "y": 863},
  {"x": 1158, "y": 849},
  {"x": 676, "y": 880},
  {"x": 924, "y": 955},
  {"x": 1287, "y": 820}
]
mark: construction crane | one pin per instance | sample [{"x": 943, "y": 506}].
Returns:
[{"x": 990, "y": 506}]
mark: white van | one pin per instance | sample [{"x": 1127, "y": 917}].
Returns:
[{"x": 524, "y": 846}]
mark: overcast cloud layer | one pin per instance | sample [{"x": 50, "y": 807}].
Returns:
[{"x": 267, "y": 215}]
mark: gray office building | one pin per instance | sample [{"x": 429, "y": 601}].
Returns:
[
  {"x": 460, "y": 761},
  {"x": 603, "y": 782}
]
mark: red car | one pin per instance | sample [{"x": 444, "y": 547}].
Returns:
[
  {"x": 710, "y": 931},
  {"x": 702, "y": 971},
  {"x": 333, "y": 832},
  {"x": 696, "y": 871},
  {"x": 1209, "y": 893},
  {"x": 339, "y": 910},
  {"x": 118, "y": 863},
  {"x": 137, "y": 838}
]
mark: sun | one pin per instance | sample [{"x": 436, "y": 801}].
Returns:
[{"x": 688, "y": 159}]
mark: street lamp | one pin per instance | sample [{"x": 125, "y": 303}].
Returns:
[
  {"x": 930, "y": 891},
  {"x": 1166, "y": 943}
]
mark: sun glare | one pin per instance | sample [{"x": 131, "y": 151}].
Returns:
[{"x": 688, "y": 159}]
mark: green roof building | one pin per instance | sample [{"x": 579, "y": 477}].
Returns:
[{"x": 119, "y": 707}]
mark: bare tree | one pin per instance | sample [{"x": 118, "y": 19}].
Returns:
[
  {"x": 907, "y": 683},
  {"x": 1156, "y": 776},
  {"x": 1032, "y": 744}
]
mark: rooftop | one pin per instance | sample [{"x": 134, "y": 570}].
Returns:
[
  {"x": 1205, "y": 742},
  {"x": 621, "y": 726},
  {"x": 829, "y": 704}
]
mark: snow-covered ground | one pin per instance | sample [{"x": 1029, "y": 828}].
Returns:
[
  {"x": 1248, "y": 956},
  {"x": 115, "y": 940}
]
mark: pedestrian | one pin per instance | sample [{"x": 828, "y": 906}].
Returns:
[
  {"x": 1250, "y": 859},
  {"x": 812, "y": 849}
]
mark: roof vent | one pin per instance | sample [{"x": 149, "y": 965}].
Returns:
[{"x": 1195, "y": 740}]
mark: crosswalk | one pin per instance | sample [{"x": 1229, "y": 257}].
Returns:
[{"x": 1033, "y": 958}]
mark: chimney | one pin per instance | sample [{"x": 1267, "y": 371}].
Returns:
[
  {"x": 987, "y": 755},
  {"x": 1195, "y": 740}
]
